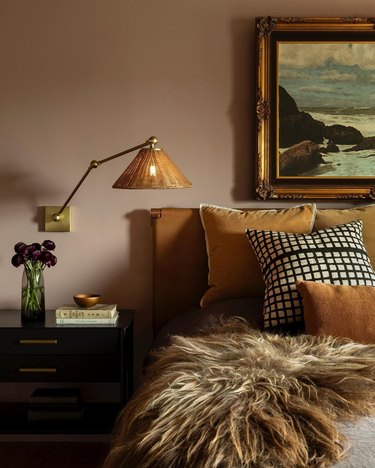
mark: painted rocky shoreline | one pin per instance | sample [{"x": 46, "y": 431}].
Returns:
[{"x": 304, "y": 136}]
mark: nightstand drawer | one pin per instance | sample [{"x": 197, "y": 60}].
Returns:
[
  {"x": 59, "y": 341},
  {"x": 60, "y": 368}
]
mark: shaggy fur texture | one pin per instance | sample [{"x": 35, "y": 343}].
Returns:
[{"x": 236, "y": 398}]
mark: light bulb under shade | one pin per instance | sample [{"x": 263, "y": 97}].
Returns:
[{"x": 152, "y": 168}]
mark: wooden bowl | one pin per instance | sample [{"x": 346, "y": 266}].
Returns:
[{"x": 86, "y": 300}]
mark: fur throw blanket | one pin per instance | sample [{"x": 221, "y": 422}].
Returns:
[{"x": 235, "y": 397}]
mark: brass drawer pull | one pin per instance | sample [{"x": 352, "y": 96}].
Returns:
[
  {"x": 38, "y": 341},
  {"x": 38, "y": 369}
]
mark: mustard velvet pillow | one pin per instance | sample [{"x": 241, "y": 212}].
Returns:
[
  {"x": 338, "y": 310},
  {"x": 329, "y": 218},
  {"x": 234, "y": 270}
]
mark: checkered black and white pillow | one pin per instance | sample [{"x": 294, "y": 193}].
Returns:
[{"x": 334, "y": 255}]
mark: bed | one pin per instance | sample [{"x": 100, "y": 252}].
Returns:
[{"x": 207, "y": 339}]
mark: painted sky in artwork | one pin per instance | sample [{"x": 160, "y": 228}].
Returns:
[{"x": 328, "y": 74}]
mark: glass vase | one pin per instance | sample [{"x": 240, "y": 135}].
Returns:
[{"x": 32, "y": 300}]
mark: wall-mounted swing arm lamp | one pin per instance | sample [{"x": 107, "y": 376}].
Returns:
[{"x": 150, "y": 169}]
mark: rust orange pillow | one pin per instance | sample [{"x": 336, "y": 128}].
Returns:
[{"x": 339, "y": 310}]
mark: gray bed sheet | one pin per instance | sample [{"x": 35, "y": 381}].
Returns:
[
  {"x": 362, "y": 444},
  {"x": 360, "y": 434},
  {"x": 197, "y": 319}
]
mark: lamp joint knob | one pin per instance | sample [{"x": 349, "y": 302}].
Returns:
[{"x": 94, "y": 164}]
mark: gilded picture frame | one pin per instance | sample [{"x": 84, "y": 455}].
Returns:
[{"x": 315, "y": 108}]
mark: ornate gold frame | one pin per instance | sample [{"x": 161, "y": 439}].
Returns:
[{"x": 268, "y": 184}]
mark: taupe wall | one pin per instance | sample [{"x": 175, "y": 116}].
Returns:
[{"x": 83, "y": 79}]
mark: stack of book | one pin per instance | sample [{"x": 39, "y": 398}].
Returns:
[
  {"x": 55, "y": 404},
  {"x": 100, "y": 314}
]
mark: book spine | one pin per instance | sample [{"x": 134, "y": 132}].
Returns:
[
  {"x": 85, "y": 320},
  {"x": 84, "y": 314}
]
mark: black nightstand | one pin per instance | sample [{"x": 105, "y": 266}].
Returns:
[{"x": 46, "y": 354}]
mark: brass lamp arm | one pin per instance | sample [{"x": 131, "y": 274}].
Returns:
[{"x": 94, "y": 164}]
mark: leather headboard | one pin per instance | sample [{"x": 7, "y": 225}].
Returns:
[{"x": 180, "y": 262}]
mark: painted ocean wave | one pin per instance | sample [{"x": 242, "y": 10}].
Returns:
[
  {"x": 342, "y": 164},
  {"x": 361, "y": 118}
]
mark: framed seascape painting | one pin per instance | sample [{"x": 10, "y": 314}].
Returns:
[{"x": 315, "y": 108}]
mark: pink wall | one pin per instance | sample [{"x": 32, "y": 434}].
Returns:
[{"x": 83, "y": 79}]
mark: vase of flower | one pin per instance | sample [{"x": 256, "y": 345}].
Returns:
[
  {"x": 34, "y": 257},
  {"x": 32, "y": 295}
]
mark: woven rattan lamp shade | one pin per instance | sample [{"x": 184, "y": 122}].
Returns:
[{"x": 152, "y": 169}]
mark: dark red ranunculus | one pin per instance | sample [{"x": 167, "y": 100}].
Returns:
[
  {"x": 17, "y": 260},
  {"x": 36, "y": 255},
  {"x": 46, "y": 256},
  {"x": 49, "y": 245},
  {"x": 29, "y": 250},
  {"x": 20, "y": 247}
]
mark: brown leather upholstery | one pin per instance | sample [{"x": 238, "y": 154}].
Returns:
[{"x": 180, "y": 262}]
